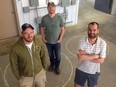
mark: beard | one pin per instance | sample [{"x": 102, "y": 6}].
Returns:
[
  {"x": 28, "y": 39},
  {"x": 52, "y": 11},
  {"x": 92, "y": 36}
]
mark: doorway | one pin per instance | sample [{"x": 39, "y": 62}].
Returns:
[
  {"x": 104, "y": 5},
  {"x": 8, "y": 25}
]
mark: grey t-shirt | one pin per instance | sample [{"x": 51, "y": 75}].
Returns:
[{"x": 52, "y": 27}]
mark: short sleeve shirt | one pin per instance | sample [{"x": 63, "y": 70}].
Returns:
[
  {"x": 98, "y": 48},
  {"x": 52, "y": 27}
]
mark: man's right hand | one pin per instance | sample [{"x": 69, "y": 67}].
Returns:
[{"x": 44, "y": 40}]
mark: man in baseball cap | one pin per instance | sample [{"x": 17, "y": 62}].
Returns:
[
  {"x": 28, "y": 59},
  {"x": 25, "y": 26},
  {"x": 51, "y": 4},
  {"x": 52, "y": 31}
]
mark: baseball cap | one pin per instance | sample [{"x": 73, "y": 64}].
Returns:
[
  {"x": 25, "y": 26},
  {"x": 51, "y": 4}
]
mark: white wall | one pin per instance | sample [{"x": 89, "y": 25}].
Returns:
[
  {"x": 91, "y": 1},
  {"x": 29, "y": 17},
  {"x": 113, "y": 7}
]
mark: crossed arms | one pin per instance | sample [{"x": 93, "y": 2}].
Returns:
[{"x": 82, "y": 55}]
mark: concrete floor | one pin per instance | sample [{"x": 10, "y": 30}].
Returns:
[{"x": 87, "y": 13}]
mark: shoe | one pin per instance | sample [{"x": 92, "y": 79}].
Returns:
[
  {"x": 57, "y": 71},
  {"x": 50, "y": 68}
]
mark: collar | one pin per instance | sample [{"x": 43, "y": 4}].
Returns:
[{"x": 87, "y": 40}]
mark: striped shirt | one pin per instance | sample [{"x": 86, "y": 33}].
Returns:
[{"x": 98, "y": 48}]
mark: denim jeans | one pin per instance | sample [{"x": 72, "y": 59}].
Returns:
[{"x": 54, "y": 51}]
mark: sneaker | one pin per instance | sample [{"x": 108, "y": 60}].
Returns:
[
  {"x": 51, "y": 68},
  {"x": 57, "y": 71}
]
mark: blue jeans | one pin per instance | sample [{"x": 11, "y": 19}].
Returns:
[{"x": 54, "y": 51}]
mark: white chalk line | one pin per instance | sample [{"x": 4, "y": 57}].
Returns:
[
  {"x": 5, "y": 81},
  {"x": 71, "y": 71},
  {"x": 69, "y": 41},
  {"x": 4, "y": 75}
]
